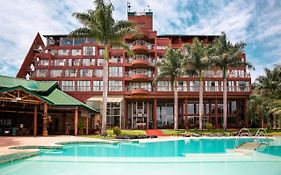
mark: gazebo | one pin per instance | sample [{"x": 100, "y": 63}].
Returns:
[{"x": 27, "y": 105}]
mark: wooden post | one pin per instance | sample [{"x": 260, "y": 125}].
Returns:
[
  {"x": 87, "y": 124},
  {"x": 216, "y": 112},
  {"x": 35, "y": 121},
  {"x": 126, "y": 114},
  {"x": 186, "y": 121},
  {"x": 246, "y": 112},
  {"x": 155, "y": 113},
  {"x": 45, "y": 122},
  {"x": 76, "y": 121}
]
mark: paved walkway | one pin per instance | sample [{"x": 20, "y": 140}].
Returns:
[{"x": 7, "y": 142}]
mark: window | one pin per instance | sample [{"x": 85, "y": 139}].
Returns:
[
  {"x": 161, "y": 47},
  {"x": 56, "y": 73},
  {"x": 44, "y": 62},
  {"x": 86, "y": 73},
  {"x": 230, "y": 86},
  {"x": 115, "y": 71},
  {"x": 79, "y": 41},
  {"x": 101, "y": 51},
  {"x": 113, "y": 114},
  {"x": 99, "y": 62},
  {"x": 70, "y": 73},
  {"x": 86, "y": 62},
  {"x": 211, "y": 86},
  {"x": 164, "y": 86},
  {"x": 115, "y": 85},
  {"x": 116, "y": 59},
  {"x": 68, "y": 85},
  {"x": 97, "y": 85},
  {"x": 147, "y": 72},
  {"x": 145, "y": 86},
  {"x": 243, "y": 85},
  {"x": 99, "y": 73},
  {"x": 59, "y": 62},
  {"x": 182, "y": 86},
  {"x": 76, "y": 52},
  {"x": 89, "y": 50},
  {"x": 41, "y": 72},
  {"x": 63, "y": 52},
  {"x": 194, "y": 86},
  {"x": 76, "y": 62},
  {"x": 83, "y": 86}
]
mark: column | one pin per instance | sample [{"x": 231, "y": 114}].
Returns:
[
  {"x": 237, "y": 113},
  {"x": 76, "y": 121},
  {"x": 35, "y": 121},
  {"x": 155, "y": 113},
  {"x": 186, "y": 121},
  {"x": 216, "y": 113},
  {"x": 87, "y": 124},
  {"x": 246, "y": 112},
  {"x": 126, "y": 114},
  {"x": 45, "y": 118}
]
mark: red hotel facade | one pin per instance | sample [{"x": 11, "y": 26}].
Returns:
[{"x": 133, "y": 102}]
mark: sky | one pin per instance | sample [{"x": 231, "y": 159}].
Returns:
[{"x": 255, "y": 22}]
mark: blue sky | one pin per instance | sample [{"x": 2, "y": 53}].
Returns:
[{"x": 255, "y": 22}]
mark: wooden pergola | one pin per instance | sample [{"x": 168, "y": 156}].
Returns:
[{"x": 20, "y": 96}]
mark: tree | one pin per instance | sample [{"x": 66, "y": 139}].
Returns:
[
  {"x": 99, "y": 24},
  {"x": 197, "y": 60},
  {"x": 171, "y": 66},
  {"x": 226, "y": 55}
]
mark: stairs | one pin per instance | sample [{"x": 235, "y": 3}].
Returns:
[{"x": 154, "y": 132}]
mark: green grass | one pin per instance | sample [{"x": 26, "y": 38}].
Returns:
[{"x": 171, "y": 132}]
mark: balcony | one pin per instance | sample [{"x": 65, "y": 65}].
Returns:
[
  {"x": 140, "y": 46},
  {"x": 139, "y": 91},
  {"x": 140, "y": 77}
]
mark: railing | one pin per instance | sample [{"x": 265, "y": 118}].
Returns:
[{"x": 141, "y": 42}]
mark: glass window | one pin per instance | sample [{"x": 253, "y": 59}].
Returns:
[
  {"x": 115, "y": 85},
  {"x": 101, "y": 51},
  {"x": 44, "y": 62},
  {"x": 41, "y": 72},
  {"x": 182, "y": 86},
  {"x": 115, "y": 71},
  {"x": 59, "y": 62},
  {"x": 99, "y": 73},
  {"x": 70, "y": 73},
  {"x": 68, "y": 85},
  {"x": 242, "y": 85},
  {"x": 76, "y": 62},
  {"x": 79, "y": 41},
  {"x": 63, "y": 52},
  {"x": 194, "y": 86},
  {"x": 56, "y": 73},
  {"x": 76, "y": 52},
  {"x": 89, "y": 50},
  {"x": 86, "y": 62},
  {"x": 113, "y": 115},
  {"x": 211, "y": 86},
  {"x": 86, "y": 73},
  {"x": 136, "y": 85},
  {"x": 83, "y": 86},
  {"x": 97, "y": 85},
  {"x": 66, "y": 41},
  {"x": 99, "y": 62},
  {"x": 164, "y": 86},
  {"x": 116, "y": 59}
]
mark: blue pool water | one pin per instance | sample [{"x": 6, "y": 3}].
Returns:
[
  {"x": 182, "y": 157},
  {"x": 177, "y": 148}
]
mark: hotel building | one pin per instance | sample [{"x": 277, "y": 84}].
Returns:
[{"x": 133, "y": 101}]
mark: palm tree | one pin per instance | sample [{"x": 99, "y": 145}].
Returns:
[
  {"x": 226, "y": 55},
  {"x": 171, "y": 66},
  {"x": 99, "y": 24},
  {"x": 197, "y": 60},
  {"x": 257, "y": 108}
]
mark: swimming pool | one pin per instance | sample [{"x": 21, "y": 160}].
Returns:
[{"x": 190, "y": 156}]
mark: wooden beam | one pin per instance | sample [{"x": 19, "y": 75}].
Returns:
[
  {"x": 45, "y": 122},
  {"x": 76, "y": 121},
  {"x": 154, "y": 113},
  {"x": 35, "y": 121},
  {"x": 87, "y": 124}
]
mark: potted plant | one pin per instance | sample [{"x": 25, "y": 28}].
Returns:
[{"x": 81, "y": 127}]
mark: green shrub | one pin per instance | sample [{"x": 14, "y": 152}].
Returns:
[
  {"x": 208, "y": 125},
  {"x": 116, "y": 130}
]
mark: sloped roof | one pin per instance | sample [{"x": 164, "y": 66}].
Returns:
[{"x": 47, "y": 91}]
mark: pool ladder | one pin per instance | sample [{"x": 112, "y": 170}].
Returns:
[{"x": 256, "y": 143}]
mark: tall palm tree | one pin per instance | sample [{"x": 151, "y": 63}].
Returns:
[
  {"x": 99, "y": 24},
  {"x": 197, "y": 60},
  {"x": 171, "y": 66},
  {"x": 226, "y": 55}
]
